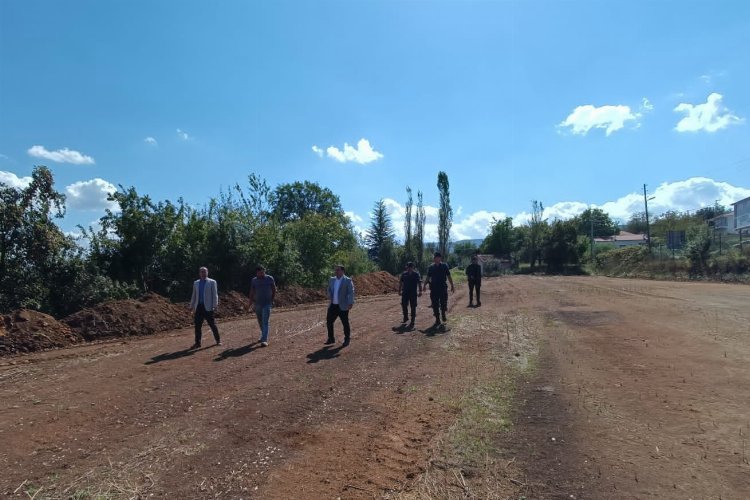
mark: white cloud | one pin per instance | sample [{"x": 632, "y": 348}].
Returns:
[
  {"x": 689, "y": 194},
  {"x": 475, "y": 225},
  {"x": 609, "y": 117},
  {"x": 150, "y": 141},
  {"x": 12, "y": 180},
  {"x": 90, "y": 195},
  {"x": 63, "y": 155},
  {"x": 183, "y": 135},
  {"x": 709, "y": 116},
  {"x": 362, "y": 154}
]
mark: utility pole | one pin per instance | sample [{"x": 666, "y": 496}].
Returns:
[
  {"x": 648, "y": 227},
  {"x": 591, "y": 218}
]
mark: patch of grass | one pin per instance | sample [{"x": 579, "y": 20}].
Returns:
[
  {"x": 486, "y": 412},
  {"x": 468, "y": 459}
]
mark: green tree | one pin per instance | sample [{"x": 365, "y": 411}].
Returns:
[
  {"x": 561, "y": 247},
  {"x": 461, "y": 254},
  {"x": 500, "y": 242},
  {"x": 636, "y": 223},
  {"x": 707, "y": 213},
  {"x": 537, "y": 230},
  {"x": 408, "y": 236},
  {"x": 130, "y": 243},
  {"x": 445, "y": 213},
  {"x": 602, "y": 224},
  {"x": 30, "y": 241},
  {"x": 698, "y": 246},
  {"x": 320, "y": 239},
  {"x": 293, "y": 201},
  {"x": 419, "y": 222},
  {"x": 380, "y": 231}
]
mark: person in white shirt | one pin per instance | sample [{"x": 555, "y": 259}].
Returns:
[
  {"x": 204, "y": 303},
  {"x": 341, "y": 295}
]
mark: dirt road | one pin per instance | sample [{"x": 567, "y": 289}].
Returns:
[{"x": 554, "y": 388}]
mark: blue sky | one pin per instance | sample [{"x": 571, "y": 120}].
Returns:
[{"x": 574, "y": 103}]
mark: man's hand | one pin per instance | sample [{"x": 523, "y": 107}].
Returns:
[
  {"x": 453, "y": 289},
  {"x": 350, "y": 306}
]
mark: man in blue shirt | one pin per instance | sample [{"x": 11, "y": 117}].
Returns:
[
  {"x": 341, "y": 297},
  {"x": 262, "y": 293},
  {"x": 204, "y": 302}
]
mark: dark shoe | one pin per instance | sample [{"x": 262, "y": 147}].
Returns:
[
  {"x": 479, "y": 304},
  {"x": 330, "y": 341},
  {"x": 471, "y": 304},
  {"x": 346, "y": 342},
  {"x": 218, "y": 342},
  {"x": 444, "y": 318},
  {"x": 195, "y": 346},
  {"x": 436, "y": 324},
  {"x": 411, "y": 326},
  {"x": 405, "y": 320}
]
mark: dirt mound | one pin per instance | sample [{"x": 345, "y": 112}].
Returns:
[
  {"x": 293, "y": 295},
  {"x": 121, "y": 318},
  {"x": 375, "y": 283},
  {"x": 364, "y": 284},
  {"x": 27, "y": 331},
  {"x": 232, "y": 304}
]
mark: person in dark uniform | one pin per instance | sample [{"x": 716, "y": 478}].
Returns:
[
  {"x": 474, "y": 275},
  {"x": 437, "y": 274},
  {"x": 410, "y": 287}
]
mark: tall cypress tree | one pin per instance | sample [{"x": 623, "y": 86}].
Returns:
[
  {"x": 445, "y": 215},
  {"x": 419, "y": 221},
  {"x": 408, "y": 237}
]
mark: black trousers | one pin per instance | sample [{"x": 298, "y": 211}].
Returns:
[
  {"x": 439, "y": 299},
  {"x": 406, "y": 301},
  {"x": 334, "y": 311},
  {"x": 472, "y": 286},
  {"x": 200, "y": 315}
]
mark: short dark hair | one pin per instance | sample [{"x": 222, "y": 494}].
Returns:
[
  {"x": 438, "y": 254},
  {"x": 260, "y": 267},
  {"x": 410, "y": 264}
]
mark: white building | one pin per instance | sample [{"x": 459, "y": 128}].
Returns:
[
  {"x": 742, "y": 214},
  {"x": 724, "y": 223},
  {"x": 624, "y": 239}
]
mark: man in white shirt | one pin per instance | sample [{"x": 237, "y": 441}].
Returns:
[
  {"x": 203, "y": 303},
  {"x": 341, "y": 295}
]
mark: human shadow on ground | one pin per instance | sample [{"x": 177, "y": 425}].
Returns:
[
  {"x": 327, "y": 352},
  {"x": 436, "y": 330},
  {"x": 239, "y": 351},
  {"x": 170, "y": 356},
  {"x": 403, "y": 328}
]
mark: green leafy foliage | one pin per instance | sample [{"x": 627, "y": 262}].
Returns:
[{"x": 501, "y": 241}]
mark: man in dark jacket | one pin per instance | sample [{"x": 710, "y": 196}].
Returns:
[
  {"x": 437, "y": 274},
  {"x": 474, "y": 275},
  {"x": 410, "y": 287},
  {"x": 341, "y": 297}
]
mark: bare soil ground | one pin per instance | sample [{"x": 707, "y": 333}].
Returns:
[{"x": 568, "y": 387}]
